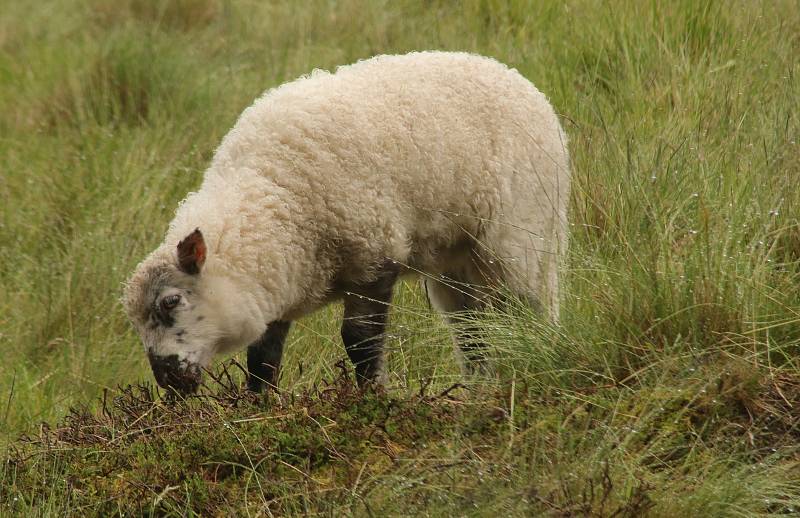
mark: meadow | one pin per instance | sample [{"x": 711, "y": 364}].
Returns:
[{"x": 670, "y": 387}]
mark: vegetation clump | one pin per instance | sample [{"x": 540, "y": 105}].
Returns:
[
  {"x": 336, "y": 448},
  {"x": 223, "y": 449}
]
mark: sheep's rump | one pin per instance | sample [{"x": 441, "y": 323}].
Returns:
[{"x": 410, "y": 158}]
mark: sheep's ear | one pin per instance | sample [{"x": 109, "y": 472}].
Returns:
[{"x": 192, "y": 253}]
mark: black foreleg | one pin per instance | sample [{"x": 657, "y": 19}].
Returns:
[
  {"x": 366, "y": 311},
  {"x": 264, "y": 357}
]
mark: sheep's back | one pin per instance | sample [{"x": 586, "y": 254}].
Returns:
[{"x": 401, "y": 149}]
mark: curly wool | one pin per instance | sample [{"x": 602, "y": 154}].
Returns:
[{"x": 324, "y": 178}]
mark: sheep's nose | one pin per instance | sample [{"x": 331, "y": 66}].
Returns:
[{"x": 170, "y": 372}]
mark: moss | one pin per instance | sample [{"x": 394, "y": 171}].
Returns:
[{"x": 199, "y": 454}]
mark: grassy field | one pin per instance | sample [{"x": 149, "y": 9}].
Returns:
[{"x": 670, "y": 388}]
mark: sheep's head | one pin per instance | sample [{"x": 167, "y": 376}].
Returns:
[{"x": 185, "y": 312}]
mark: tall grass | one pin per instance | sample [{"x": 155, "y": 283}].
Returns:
[{"x": 680, "y": 328}]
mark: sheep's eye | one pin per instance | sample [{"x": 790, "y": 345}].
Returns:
[{"x": 169, "y": 302}]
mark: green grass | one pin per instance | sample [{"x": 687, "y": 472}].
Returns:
[{"x": 670, "y": 388}]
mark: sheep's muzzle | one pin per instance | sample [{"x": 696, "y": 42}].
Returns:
[{"x": 172, "y": 373}]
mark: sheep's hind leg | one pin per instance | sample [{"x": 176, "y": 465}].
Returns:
[
  {"x": 264, "y": 357},
  {"x": 460, "y": 302},
  {"x": 366, "y": 312}
]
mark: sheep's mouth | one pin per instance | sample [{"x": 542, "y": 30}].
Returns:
[{"x": 173, "y": 373}]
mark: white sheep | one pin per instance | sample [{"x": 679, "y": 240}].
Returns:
[{"x": 448, "y": 165}]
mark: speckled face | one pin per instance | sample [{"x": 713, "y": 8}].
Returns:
[
  {"x": 177, "y": 334},
  {"x": 186, "y": 312},
  {"x": 164, "y": 300}
]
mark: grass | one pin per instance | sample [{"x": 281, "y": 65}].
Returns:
[{"x": 670, "y": 387}]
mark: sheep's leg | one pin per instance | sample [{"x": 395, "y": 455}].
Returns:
[
  {"x": 459, "y": 302},
  {"x": 264, "y": 357},
  {"x": 366, "y": 311}
]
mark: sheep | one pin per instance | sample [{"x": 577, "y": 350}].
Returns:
[{"x": 447, "y": 165}]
